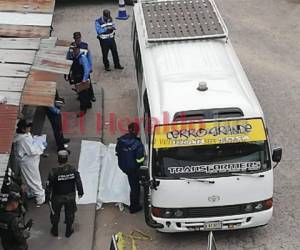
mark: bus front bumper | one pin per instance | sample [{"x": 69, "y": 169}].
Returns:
[{"x": 232, "y": 222}]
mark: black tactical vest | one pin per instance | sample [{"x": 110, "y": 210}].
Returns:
[
  {"x": 77, "y": 70},
  {"x": 64, "y": 180}
]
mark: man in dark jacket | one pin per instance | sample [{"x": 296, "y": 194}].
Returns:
[
  {"x": 54, "y": 116},
  {"x": 79, "y": 75},
  {"x": 61, "y": 192},
  {"x": 12, "y": 229},
  {"x": 130, "y": 152},
  {"x": 84, "y": 48},
  {"x": 105, "y": 29}
]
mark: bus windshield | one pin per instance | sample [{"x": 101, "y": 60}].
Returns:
[{"x": 211, "y": 160}]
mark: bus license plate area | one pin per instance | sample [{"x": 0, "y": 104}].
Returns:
[{"x": 212, "y": 225}]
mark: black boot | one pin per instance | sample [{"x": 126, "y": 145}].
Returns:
[
  {"x": 69, "y": 230},
  {"x": 54, "y": 230}
]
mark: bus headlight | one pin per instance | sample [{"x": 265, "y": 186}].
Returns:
[
  {"x": 249, "y": 208},
  {"x": 167, "y": 213},
  {"x": 178, "y": 213},
  {"x": 259, "y": 207}
]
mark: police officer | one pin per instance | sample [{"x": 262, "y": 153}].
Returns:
[
  {"x": 105, "y": 29},
  {"x": 79, "y": 75},
  {"x": 84, "y": 48},
  {"x": 61, "y": 192},
  {"x": 54, "y": 116},
  {"x": 12, "y": 229},
  {"x": 130, "y": 153}
]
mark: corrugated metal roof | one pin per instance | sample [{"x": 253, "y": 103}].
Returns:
[
  {"x": 4, "y": 158},
  {"x": 29, "y": 66},
  {"x": 33, "y": 6},
  {"x": 39, "y": 93},
  {"x": 20, "y": 43},
  {"x": 31, "y": 18},
  {"x": 8, "y": 117},
  {"x": 23, "y": 31}
]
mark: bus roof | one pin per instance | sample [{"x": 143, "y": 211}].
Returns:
[{"x": 173, "y": 71}]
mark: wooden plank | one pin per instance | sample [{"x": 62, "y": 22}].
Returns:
[
  {"x": 52, "y": 65},
  {"x": 20, "y": 43},
  {"x": 12, "y": 84},
  {"x": 44, "y": 6},
  {"x": 23, "y": 31},
  {"x": 13, "y": 98},
  {"x": 17, "y": 56},
  {"x": 28, "y": 19},
  {"x": 14, "y": 70}
]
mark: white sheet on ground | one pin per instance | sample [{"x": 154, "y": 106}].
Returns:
[
  {"x": 113, "y": 183},
  {"x": 89, "y": 168},
  {"x": 102, "y": 180}
]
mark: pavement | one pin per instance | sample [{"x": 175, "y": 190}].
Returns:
[{"x": 265, "y": 35}]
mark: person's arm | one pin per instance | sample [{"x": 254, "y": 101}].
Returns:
[
  {"x": 100, "y": 30},
  {"x": 140, "y": 154},
  {"x": 86, "y": 68},
  {"x": 31, "y": 148},
  {"x": 54, "y": 110},
  {"x": 90, "y": 59},
  {"x": 49, "y": 185},
  {"x": 78, "y": 184}
]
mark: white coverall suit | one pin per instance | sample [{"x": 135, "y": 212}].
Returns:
[{"x": 27, "y": 154}]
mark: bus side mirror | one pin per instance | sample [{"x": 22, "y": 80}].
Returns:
[{"x": 277, "y": 154}]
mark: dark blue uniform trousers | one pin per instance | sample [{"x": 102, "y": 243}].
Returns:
[{"x": 133, "y": 179}]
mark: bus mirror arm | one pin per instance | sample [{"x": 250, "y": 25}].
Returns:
[{"x": 276, "y": 156}]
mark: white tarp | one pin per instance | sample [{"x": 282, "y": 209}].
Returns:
[
  {"x": 89, "y": 168},
  {"x": 113, "y": 183},
  {"x": 102, "y": 180}
]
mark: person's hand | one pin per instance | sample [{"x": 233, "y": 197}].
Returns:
[
  {"x": 66, "y": 77},
  {"x": 79, "y": 196}
]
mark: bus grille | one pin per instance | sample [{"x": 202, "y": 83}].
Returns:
[{"x": 198, "y": 212}]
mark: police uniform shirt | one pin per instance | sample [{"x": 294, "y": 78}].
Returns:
[{"x": 64, "y": 180}]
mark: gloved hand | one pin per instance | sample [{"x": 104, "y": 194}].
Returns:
[{"x": 45, "y": 144}]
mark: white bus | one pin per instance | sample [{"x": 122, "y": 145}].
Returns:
[{"x": 210, "y": 162}]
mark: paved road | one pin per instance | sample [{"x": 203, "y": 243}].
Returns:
[{"x": 266, "y": 37}]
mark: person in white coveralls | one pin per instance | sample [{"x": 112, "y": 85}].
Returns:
[{"x": 27, "y": 153}]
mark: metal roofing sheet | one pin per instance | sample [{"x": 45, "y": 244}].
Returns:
[
  {"x": 52, "y": 65},
  {"x": 23, "y": 31},
  {"x": 28, "y": 19},
  {"x": 36, "y": 75},
  {"x": 11, "y": 98},
  {"x": 12, "y": 84},
  {"x": 20, "y": 43},
  {"x": 40, "y": 6},
  {"x": 20, "y": 56},
  {"x": 8, "y": 117},
  {"x": 14, "y": 70},
  {"x": 39, "y": 93}
]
